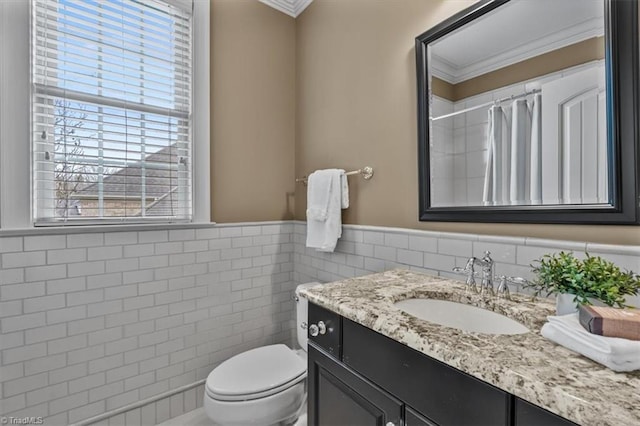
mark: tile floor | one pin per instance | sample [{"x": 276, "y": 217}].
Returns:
[{"x": 198, "y": 417}]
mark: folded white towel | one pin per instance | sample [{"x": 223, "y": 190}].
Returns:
[
  {"x": 555, "y": 334},
  {"x": 614, "y": 353},
  {"x": 613, "y": 346},
  {"x": 324, "y": 202}
]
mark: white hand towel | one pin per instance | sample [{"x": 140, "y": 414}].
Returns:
[
  {"x": 616, "y": 354},
  {"x": 557, "y": 335},
  {"x": 318, "y": 194},
  {"x": 324, "y": 201},
  {"x": 344, "y": 188},
  {"x": 613, "y": 346}
]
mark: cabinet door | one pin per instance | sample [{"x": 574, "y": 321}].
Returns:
[
  {"x": 413, "y": 418},
  {"x": 339, "y": 396},
  {"x": 528, "y": 414}
]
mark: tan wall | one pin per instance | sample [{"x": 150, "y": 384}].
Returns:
[
  {"x": 443, "y": 89},
  {"x": 253, "y": 112},
  {"x": 556, "y": 60},
  {"x": 356, "y": 106},
  {"x": 547, "y": 63}
]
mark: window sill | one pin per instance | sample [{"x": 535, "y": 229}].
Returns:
[{"x": 90, "y": 229}]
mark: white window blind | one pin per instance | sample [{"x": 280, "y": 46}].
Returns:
[{"x": 111, "y": 111}]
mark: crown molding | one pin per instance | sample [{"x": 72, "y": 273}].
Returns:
[
  {"x": 448, "y": 72},
  {"x": 292, "y": 8}
]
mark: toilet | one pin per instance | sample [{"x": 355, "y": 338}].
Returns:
[{"x": 262, "y": 386}]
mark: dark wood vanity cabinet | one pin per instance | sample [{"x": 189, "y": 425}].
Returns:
[
  {"x": 527, "y": 414},
  {"x": 454, "y": 398},
  {"x": 360, "y": 377},
  {"x": 340, "y": 397},
  {"x": 331, "y": 339},
  {"x": 413, "y": 418}
]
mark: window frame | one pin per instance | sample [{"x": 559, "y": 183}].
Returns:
[{"x": 16, "y": 166}]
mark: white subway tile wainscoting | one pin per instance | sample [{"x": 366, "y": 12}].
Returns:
[
  {"x": 97, "y": 323},
  {"x": 369, "y": 249},
  {"x": 122, "y": 328}
]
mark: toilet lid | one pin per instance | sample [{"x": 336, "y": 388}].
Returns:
[{"x": 256, "y": 371}]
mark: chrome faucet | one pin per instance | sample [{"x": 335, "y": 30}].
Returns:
[
  {"x": 488, "y": 277},
  {"x": 488, "y": 266},
  {"x": 503, "y": 288},
  {"x": 470, "y": 272}
]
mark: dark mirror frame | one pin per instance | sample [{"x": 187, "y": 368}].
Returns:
[{"x": 621, "y": 64}]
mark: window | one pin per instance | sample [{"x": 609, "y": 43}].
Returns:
[{"x": 111, "y": 111}]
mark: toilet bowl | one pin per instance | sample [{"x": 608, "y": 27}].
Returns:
[{"x": 262, "y": 386}]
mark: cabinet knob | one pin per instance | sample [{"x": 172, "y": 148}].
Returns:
[{"x": 315, "y": 329}]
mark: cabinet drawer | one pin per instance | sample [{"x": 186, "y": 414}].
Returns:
[
  {"x": 330, "y": 341},
  {"x": 443, "y": 394}
]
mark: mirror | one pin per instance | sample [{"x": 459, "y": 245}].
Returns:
[{"x": 523, "y": 113}]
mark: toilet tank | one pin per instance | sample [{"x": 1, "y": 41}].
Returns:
[{"x": 302, "y": 308}]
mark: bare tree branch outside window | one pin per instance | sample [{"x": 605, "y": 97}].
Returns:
[{"x": 72, "y": 170}]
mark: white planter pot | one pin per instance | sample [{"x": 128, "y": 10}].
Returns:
[{"x": 565, "y": 304}]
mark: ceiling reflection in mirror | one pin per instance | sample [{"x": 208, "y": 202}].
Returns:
[{"x": 518, "y": 107}]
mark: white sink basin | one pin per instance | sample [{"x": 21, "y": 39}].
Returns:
[{"x": 461, "y": 316}]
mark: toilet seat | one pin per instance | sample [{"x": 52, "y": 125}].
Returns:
[
  {"x": 257, "y": 395},
  {"x": 257, "y": 373}
]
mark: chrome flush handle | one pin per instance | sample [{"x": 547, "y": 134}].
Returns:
[
  {"x": 315, "y": 329},
  {"x": 322, "y": 327}
]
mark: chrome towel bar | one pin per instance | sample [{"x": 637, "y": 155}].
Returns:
[{"x": 365, "y": 172}]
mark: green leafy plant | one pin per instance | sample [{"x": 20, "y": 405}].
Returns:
[{"x": 592, "y": 277}]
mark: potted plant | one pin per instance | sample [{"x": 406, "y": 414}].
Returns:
[{"x": 585, "y": 281}]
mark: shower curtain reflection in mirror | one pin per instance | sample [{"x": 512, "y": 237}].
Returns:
[
  {"x": 511, "y": 174},
  {"x": 543, "y": 144}
]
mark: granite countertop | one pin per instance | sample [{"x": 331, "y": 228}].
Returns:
[{"x": 526, "y": 365}]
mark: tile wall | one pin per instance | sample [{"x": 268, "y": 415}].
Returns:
[
  {"x": 368, "y": 249},
  {"x": 127, "y": 325},
  {"x": 442, "y": 153},
  {"x": 90, "y": 323}
]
